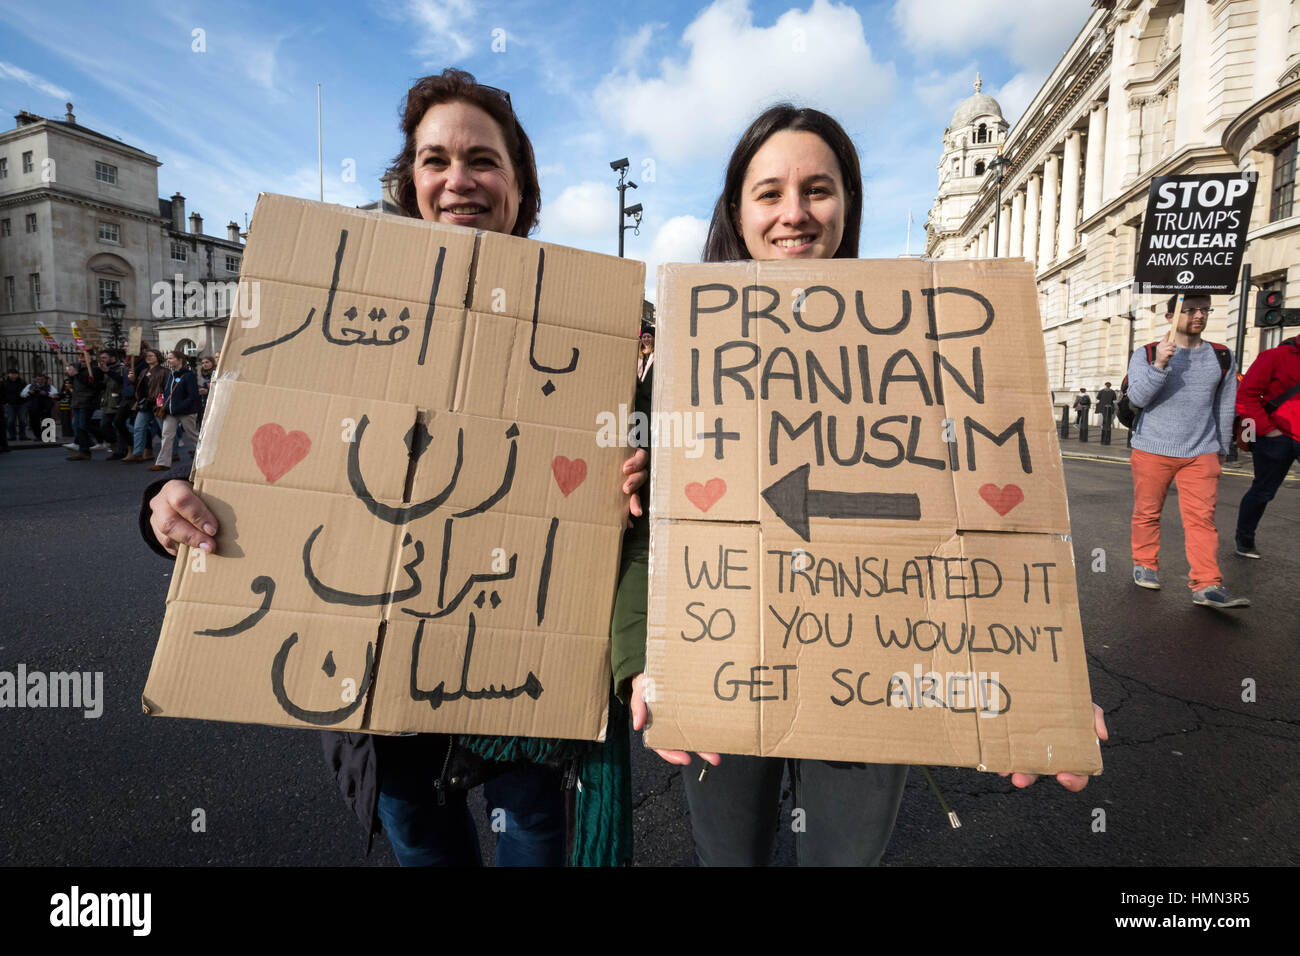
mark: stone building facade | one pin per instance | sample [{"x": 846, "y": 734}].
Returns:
[
  {"x": 81, "y": 223},
  {"x": 1148, "y": 88}
]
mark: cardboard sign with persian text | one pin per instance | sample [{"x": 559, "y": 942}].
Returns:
[
  {"x": 860, "y": 544},
  {"x": 418, "y": 528}
]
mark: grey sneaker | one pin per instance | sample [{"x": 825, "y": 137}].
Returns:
[
  {"x": 1218, "y": 596},
  {"x": 1145, "y": 578},
  {"x": 1246, "y": 548}
]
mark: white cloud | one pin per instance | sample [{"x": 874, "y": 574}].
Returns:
[
  {"x": 585, "y": 211},
  {"x": 1017, "y": 93},
  {"x": 258, "y": 58},
  {"x": 37, "y": 83},
  {"x": 635, "y": 46},
  {"x": 696, "y": 106},
  {"x": 1031, "y": 33},
  {"x": 680, "y": 239},
  {"x": 305, "y": 182},
  {"x": 443, "y": 27}
]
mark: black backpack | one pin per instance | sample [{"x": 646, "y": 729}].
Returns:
[{"x": 1128, "y": 413}]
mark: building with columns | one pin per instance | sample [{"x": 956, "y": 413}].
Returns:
[{"x": 1148, "y": 88}]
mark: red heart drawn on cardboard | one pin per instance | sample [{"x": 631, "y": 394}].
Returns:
[
  {"x": 706, "y": 496},
  {"x": 276, "y": 453},
  {"x": 1002, "y": 499},
  {"x": 568, "y": 474}
]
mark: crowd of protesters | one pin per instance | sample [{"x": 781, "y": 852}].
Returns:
[{"x": 131, "y": 408}]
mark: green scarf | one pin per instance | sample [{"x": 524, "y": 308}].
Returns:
[{"x": 602, "y": 828}]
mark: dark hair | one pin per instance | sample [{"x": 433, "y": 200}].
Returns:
[
  {"x": 458, "y": 86},
  {"x": 724, "y": 242},
  {"x": 1173, "y": 300},
  {"x": 156, "y": 354}
]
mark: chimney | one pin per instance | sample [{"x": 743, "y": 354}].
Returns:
[
  {"x": 70, "y": 116},
  {"x": 196, "y": 224},
  {"x": 232, "y": 231},
  {"x": 24, "y": 118},
  {"x": 178, "y": 212}
]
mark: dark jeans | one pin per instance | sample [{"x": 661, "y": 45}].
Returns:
[
  {"x": 844, "y": 812},
  {"x": 36, "y": 417},
  {"x": 1273, "y": 458},
  {"x": 122, "y": 420},
  {"x": 423, "y": 832},
  {"x": 14, "y": 423},
  {"x": 146, "y": 425},
  {"x": 81, "y": 428}
]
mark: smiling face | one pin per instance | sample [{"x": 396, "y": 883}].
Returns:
[
  {"x": 463, "y": 174},
  {"x": 792, "y": 200}
]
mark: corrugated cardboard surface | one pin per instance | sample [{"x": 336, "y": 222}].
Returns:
[
  {"x": 358, "y": 585},
  {"x": 867, "y": 558}
]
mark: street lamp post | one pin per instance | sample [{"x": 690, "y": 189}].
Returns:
[
  {"x": 625, "y": 212},
  {"x": 997, "y": 166},
  {"x": 113, "y": 310}
]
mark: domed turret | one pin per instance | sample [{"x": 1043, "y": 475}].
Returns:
[
  {"x": 974, "y": 138},
  {"x": 974, "y": 106}
]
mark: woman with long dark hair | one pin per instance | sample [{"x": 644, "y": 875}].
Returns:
[{"x": 792, "y": 190}]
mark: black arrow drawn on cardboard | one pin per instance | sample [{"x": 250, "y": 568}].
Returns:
[{"x": 794, "y": 503}]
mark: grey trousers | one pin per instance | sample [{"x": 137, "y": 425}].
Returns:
[{"x": 843, "y": 813}]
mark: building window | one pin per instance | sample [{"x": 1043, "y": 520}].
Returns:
[
  {"x": 34, "y": 280},
  {"x": 982, "y": 134},
  {"x": 979, "y": 167},
  {"x": 1283, "y": 183},
  {"x": 4, "y": 167},
  {"x": 106, "y": 173},
  {"x": 109, "y": 289},
  {"x": 110, "y": 232},
  {"x": 178, "y": 251},
  {"x": 9, "y": 293},
  {"x": 232, "y": 263},
  {"x": 31, "y": 222},
  {"x": 4, "y": 227},
  {"x": 27, "y": 162}
]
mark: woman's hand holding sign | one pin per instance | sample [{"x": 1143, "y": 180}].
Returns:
[
  {"x": 1070, "y": 781},
  {"x": 180, "y": 517},
  {"x": 639, "y": 714}
]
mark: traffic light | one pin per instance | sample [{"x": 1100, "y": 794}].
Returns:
[{"x": 1269, "y": 311}]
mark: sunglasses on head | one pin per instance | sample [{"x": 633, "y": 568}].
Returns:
[{"x": 499, "y": 92}]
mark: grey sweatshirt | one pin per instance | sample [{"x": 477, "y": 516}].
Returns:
[{"x": 1185, "y": 410}]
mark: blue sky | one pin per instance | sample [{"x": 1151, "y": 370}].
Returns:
[{"x": 669, "y": 85}]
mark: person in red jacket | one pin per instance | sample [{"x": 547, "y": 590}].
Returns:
[{"x": 1270, "y": 396}]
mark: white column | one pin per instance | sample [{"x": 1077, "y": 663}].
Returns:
[
  {"x": 1017, "y": 224},
  {"x": 1069, "y": 194},
  {"x": 1004, "y": 231},
  {"x": 982, "y": 250},
  {"x": 1031, "y": 218},
  {"x": 1271, "y": 45},
  {"x": 1124, "y": 50},
  {"x": 1194, "y": 94},
  {"x": 1093, "y": 167},
  {"x": 1047, "y": 211}
]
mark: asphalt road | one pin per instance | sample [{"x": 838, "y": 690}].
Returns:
[{"x": 1195, "y": 775}]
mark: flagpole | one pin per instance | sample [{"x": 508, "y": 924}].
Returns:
[{"x": 320, "y": 165}]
